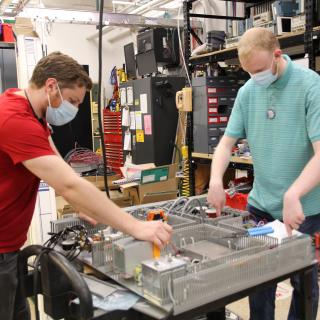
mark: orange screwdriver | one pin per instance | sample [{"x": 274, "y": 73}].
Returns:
[{"x": 154, "y": 215}]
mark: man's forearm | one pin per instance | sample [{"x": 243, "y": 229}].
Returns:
[
  {"x": 219, "y": 164},
  {"x": 308, "y": 179},
  {"x": 95, "y": 203}
]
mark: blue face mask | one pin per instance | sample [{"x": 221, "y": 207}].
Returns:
[
  {"x": 61, "y": 115},
  {"x": 264, "y": 78}
]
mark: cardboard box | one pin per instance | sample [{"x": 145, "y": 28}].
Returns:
[
  {"x": 98, "y": 181},
  {"x": 123, "y": 201},
  {"x": 153, "y": 192},
  {"x": 67, "y": 209},
  {"x": 24, "y": 26}
]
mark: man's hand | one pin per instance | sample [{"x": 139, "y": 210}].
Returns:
[
  {"x": 292, "y": 213},
  {"x": 87, "y": 218},
  {"x": 217, "y": 196},
  {"x": 154, "y": 231}
]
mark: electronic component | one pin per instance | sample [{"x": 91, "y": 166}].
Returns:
[
  {"x": 298, "y": 23},
  {"x": 162, "y": 43},
  {"x": 102, "y": 251},
  {"x": 157, "y": 276},
  {"x": 130, "y": 61},
  {"x": 285, "y": 8},
  {"x": 283, "y": 25},
  {"x": 146, "y": 63},
  {"x": 232, "y": 42},
  {"x": 128, "y": 253},
  {"x": 271, "y": 26},
  {"x": 61, "y": 224},
  {"x": 262, "y": 18}
]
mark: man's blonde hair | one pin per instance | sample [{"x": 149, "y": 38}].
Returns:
[{"x": 256, "y": 39}]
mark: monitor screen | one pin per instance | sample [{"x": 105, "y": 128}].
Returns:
[
  {"x": 146, "y": 63},
  {"x": 130, "y": 60}
]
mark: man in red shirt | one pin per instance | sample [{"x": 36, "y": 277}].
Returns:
[{"x": 27, "y": 154}]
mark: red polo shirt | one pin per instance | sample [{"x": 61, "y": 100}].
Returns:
[{"x": 22, "y": 137}]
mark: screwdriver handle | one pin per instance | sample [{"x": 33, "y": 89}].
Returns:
[
  {"x": 259, "y": 231},
  {"x": 156, "y": 251}
]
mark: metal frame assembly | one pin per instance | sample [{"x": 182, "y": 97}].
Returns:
[{"x": 207, "y": 258}]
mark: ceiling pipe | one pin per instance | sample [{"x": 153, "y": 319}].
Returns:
[
  {"x": 107, "y": 29},
  {"x": 144, "y": 8}
]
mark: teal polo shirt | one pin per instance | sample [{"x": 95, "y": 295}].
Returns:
[{"x": 280, "y": 147}]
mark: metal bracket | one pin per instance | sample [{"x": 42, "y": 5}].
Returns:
[
  {"x": 92, "y": 18},
  {"x": 198, "y": 15}
]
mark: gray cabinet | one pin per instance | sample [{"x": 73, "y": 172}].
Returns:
[{"x": 8, "y": 68}]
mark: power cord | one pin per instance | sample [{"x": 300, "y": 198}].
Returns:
[
  {"x": 36, "y": 281},
  {"x": 103, "y": 147},
  {"x": 71, "y": 239},
  {"x": 180, "y": 47}
]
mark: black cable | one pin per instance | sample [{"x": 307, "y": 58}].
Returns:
[
  {"x": 36, "y": 281},
  {"x": 49, "y": 245},
  {"x": 104, "y": 156}
]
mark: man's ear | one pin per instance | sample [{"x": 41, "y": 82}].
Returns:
[
  {"x": 277, "y": 53},
  {"x": 51, "y": 85}
]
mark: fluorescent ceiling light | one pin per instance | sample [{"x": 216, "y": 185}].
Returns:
[
  {"x": 140, "y": 2},
  {"x": 154, "y": 14},
  {"x": 14, "y": 1},
  {"x": 8, "y": 10},
  {"x": 123, "y": 2},
  {"x": 172, "y": 5}
]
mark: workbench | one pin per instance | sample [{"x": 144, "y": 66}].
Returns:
[
  {"x": 236, "y": 162},
  {"x": 234, "y": 159}
]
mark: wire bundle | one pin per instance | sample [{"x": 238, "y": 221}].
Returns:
[{"x": 83, "y": 160}]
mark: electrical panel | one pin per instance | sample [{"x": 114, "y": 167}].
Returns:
[
  {"x": 213, "y": 99},
  {"x": 153, "y": 119}
]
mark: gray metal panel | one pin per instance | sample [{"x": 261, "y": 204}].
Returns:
[
  {"x": 200, "y": 116},
  {"x": 10, "y": 69},
  {"x": 165, "y": 116}
]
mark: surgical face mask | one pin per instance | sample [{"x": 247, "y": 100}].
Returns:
[
  {"x": 264, "y": 78},
  {"x": 61, "y": 115}
]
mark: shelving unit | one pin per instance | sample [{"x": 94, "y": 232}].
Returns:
[
  {"x": 294, "y": 44},
  {"x": 94, "y": 118},
  {"x": 191, "y": 62},
  {"x": 95, "y": 126}
]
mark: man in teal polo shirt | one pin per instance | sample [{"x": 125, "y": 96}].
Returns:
[{"x": 278, "y": 112}]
